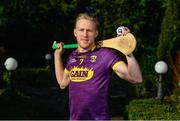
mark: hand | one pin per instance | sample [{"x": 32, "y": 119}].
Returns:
[
  {"x": 59, "y": 51},
  {"x": 130, "y": 55},
  {"x": 126, "y": 31}
]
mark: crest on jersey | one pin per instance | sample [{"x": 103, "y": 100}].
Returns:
[{"x": 93, "y": 58}]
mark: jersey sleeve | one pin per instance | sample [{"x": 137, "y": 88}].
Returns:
[
  {"x": 117, "y": 64},
  {"x": 116, "y": 60}
]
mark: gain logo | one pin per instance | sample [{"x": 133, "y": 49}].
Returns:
[{"x": 80, "y": 74}]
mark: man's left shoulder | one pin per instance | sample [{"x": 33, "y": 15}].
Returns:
[{"x": 108, "y": 51}]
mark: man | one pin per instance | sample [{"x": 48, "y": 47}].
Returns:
[{"x": 88, "y": 71}]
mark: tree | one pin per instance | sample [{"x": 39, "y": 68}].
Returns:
[
  {"x": 32, "y": 26},
  {"x": 41, "y": 22},
  {"x": 169, "y": 45}
]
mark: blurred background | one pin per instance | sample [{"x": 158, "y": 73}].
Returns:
[{"x": 29, "y": 27}]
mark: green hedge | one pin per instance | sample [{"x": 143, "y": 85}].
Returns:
[
  {"x": 152, "y": 109},
  {"x": 34, "y": 77}
]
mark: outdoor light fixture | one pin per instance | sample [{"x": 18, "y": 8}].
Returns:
[
  {"x": 48, "y": 58},
  {"x": 161, "y": 68},
  {"x": 11, "y": 64}
]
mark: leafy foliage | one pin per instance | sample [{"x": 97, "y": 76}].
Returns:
[
  {"x": 170, "y": 29},
  {"x": 3, "y": 18},
  {"x": 169, "y": 40},
  {"x": 151, "y": 109}
]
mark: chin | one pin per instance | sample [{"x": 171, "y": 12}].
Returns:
[{"x": 84, "y": 46}]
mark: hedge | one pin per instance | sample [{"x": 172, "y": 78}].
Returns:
[{"x": 152, "y": 109}]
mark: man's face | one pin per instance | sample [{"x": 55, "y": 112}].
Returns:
[{"x": 85, "y": 33}]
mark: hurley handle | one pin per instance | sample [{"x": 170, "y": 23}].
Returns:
[{"x": 65, "y": 46}]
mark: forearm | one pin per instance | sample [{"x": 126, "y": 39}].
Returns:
[
  {"x": 62, "y": 78},
  {"x": 59, "y": 69},
  {"x": 134, "y": 69}
]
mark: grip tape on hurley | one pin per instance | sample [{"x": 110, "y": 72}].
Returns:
[{"x": 65, "y": 46}]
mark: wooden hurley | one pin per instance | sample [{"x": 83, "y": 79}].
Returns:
[{"x": 125, "y": 44}]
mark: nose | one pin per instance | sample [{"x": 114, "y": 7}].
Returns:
[{"x": 85, "y": 33}]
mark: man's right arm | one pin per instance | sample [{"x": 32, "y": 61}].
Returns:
[{"x": 61, "y": 76}]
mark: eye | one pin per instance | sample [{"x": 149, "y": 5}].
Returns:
[
  {"x": 81, "y": 30},
  {"x": 89, "y": 30}
]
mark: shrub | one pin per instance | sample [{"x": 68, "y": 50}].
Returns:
[
  {"x": 34, "y": 77},
  {"x": 152, "y": 109}
]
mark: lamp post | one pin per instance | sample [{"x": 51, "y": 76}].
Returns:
[
  {"x": 48, "y": 58},
  {"x": 10, "y": 65},
  {"x": 161, "y": 68}
]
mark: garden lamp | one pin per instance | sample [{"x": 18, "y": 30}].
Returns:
[
  {"x": 161, "y": 68},
  {"x": 48, "y": 58},
  {"x": 10, "y": 64}
]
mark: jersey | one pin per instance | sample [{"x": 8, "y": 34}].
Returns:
[{"x": 90, "y": 74}]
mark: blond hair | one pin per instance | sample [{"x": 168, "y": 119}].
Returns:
[{"x": 88, "y": 16}]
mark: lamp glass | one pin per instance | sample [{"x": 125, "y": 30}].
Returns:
[
  {"x": 48, "y": 56},
  {"x": 161, "y": 67},
  {"x": 11, "y": 64}
]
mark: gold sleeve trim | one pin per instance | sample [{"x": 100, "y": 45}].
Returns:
[
  {"x": 117, "y": 64},
  {"x": 115, "y": 67}
]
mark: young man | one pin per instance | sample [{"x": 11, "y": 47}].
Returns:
[{"x": 88, "y": 72}]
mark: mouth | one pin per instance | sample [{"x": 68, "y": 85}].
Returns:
[{"x": 84, "y": 40}]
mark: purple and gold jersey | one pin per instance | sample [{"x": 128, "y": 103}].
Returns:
[{"x": 90, "y": 74}]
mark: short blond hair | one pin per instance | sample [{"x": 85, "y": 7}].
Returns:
[{"x": 88, "y": 16}]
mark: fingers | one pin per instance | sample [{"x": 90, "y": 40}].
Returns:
[
  {"x": 59, "y": 50},
  {"x": 122, "y": 31},
  {"x": 126, "y": 31},
  {"x": 60, "y": 45}
]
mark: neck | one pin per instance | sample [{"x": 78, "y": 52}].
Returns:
[{"x": 82, "y": 50}]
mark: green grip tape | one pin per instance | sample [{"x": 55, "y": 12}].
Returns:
[
  {"x": 69, "y": 46},
  {"x": 54, "y": 46},
  {"x": 65, "y": 46}
]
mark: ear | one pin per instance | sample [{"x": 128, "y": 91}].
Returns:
[
  {"x": 97, "y": 33},
  {"x": 75, "y": 33}
]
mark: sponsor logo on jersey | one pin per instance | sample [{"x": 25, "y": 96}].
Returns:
[
  {"x": 80, "y": 74},
  {"x": 73, "y": 60}
]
